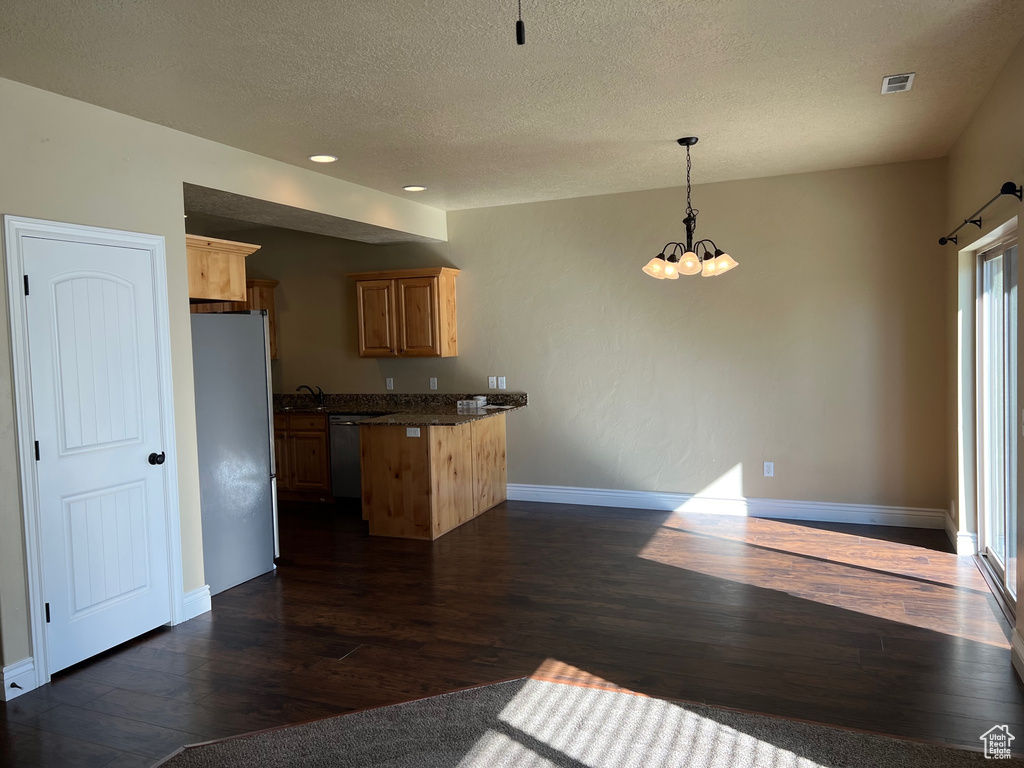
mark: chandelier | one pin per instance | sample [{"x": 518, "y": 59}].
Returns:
[{"x": 689, "y": 258}]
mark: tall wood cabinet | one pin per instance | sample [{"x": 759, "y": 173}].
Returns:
[
  {"x": 407, "y": 313},
  {"x": 259, "y": 295}
]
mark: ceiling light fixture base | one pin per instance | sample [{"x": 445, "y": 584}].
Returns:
[{"x": 687, "y": 141}]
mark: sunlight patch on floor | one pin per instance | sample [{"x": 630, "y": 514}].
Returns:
[
  {"x": 899, "y": 583},
  {"x": 572, "y": 725},
  {"x": 847, "y": 548}
]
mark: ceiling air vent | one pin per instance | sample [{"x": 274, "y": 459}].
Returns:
[{"x": 897, "y": 83}]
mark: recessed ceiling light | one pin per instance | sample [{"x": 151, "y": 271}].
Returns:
[
  {"x": 323, "y": 158},
  {"x": 414, "y": 188}
]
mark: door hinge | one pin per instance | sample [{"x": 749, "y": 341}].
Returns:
[
  {"x": 26, "y": 285},
  {"x": 37, "y": 450},
  {"x": 47, "y": 613}
]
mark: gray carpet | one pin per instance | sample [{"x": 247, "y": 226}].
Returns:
[{"x": 539, "y": 724}]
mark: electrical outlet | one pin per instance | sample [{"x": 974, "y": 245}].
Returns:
[
  {"x": 769, "y": 469},
  {"x": 492, "y": 382},
  {"x": 389, "y": 383},
  {"x": 433, "y": 382},
  {"x": 412, "y": 431},
  {"x": 501, "y": 382}
]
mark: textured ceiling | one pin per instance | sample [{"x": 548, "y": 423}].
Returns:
[
  {"x": 211, "y": 211},
  {"x": 437, "y": 93}
]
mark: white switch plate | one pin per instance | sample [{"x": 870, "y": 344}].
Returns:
[
  {"x": 769, "y": 469},
  {"x": 412, "y": 431},
  {"x": 433, "y": 382},
  {"x": 389, "y": 383},
  {"x": 501, "y": 382},
  {"x": 492, "y": 382}
]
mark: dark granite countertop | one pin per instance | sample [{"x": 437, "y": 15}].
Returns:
[
  {"x": 433, "y": 419},
  {"x": 401, "y": 410}
]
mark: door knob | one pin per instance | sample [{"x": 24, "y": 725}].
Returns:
[{"x": 157, "y": 458}]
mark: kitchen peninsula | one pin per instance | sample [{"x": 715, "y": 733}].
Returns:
[{"x": 426, "y": 468}]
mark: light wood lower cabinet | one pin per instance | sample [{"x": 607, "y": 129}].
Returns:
[
  {"x": 422, "y": 487},
  {"x": 302, "y": 454}
]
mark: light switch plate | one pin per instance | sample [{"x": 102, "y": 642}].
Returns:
[
  {"x": 501, "y": 382},
  {"x": 389, "y": 383},
  {"x": 412, "y": 431},
  {"x": 433, "y": 382}
]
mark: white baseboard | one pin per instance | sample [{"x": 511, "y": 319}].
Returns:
[
  {"x": 828, "y": 512},
  {"x": 19, "y": 678},
  {"x": 1017, "y": 653},
  {"x": 197, "y": 602},
  {"x": 964, "y": 542}
]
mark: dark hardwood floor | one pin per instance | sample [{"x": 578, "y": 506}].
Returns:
[{"x": 880, "y": 629}]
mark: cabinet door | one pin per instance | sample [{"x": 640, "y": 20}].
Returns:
[
  {"x": 376, "y": 306},
  {"x": 418, "y": 333},
  {"x": 310, "y": 469},
  {"x": 216, "y": 275},
  {"x": 490, "y": 481},
  {"x": 261, "y": 296},
  {"x": 282, "y": 460}
]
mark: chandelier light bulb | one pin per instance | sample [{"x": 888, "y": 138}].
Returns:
[
  {"x": 656, "y": 267},
  {"x": 671, "y": 271},
  {"x": 724, "y": 262},
  {"x": 709, "y": 269},
  {"x": 690, "y": 264}
]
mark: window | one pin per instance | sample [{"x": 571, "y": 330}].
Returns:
[{"x": 997, "y": 412}]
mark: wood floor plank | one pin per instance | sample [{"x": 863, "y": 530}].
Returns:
[
  {"x": 24, "y": 747},
  {"x": 108, "y": 730}
]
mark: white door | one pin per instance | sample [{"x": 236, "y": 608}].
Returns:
[{"x": 96, "y": 400}]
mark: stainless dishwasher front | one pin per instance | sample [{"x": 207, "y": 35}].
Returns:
[{"x": 345, "y": 480}]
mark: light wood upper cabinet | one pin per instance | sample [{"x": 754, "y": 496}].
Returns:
[
  {"x": 216, "y": 268},
  {"x": 375, "y": 302},
  {"x": 260, "y": 295},
  {"x": 407, "y": 313}
]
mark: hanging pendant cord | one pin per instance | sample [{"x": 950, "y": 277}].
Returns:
[{"x": 520, "y": 26}]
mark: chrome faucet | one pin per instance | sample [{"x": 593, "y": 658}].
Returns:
[{"x": 319, "y": 394}]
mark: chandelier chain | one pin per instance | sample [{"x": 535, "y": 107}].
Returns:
[{"x": 689, "y": 205}]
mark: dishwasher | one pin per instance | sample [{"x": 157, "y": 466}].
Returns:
[{"x": 345, "y": 479}]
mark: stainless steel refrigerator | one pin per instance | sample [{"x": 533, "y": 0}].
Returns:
[{"x": 235, "y": 426}]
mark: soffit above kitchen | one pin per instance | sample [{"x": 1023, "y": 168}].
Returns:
[
  {"x": 214, "y": 211},
  {"x": 439, "y": 94}
]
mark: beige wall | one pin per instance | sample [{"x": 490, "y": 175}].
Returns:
[
  {"x": 68, "y": 161},
  {"x": 989, "y": 152},
  {"x": 824, "y": 352}
]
